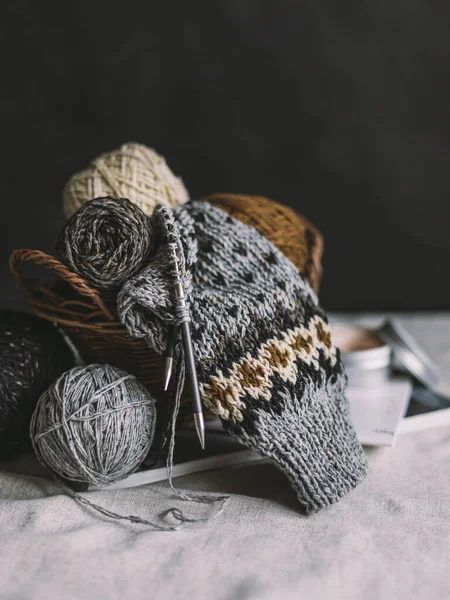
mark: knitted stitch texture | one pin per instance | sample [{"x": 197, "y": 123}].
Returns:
[{"x": 265, "y": 360}]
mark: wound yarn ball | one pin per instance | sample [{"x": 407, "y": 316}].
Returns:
[
  {"x": 32, "y": 354},
  {"x": 133, "y": 171},
  {"x": 106, "y": 241},
  {"x": 94, "y": 424}
]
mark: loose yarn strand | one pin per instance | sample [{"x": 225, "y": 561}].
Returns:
[
  {"x": 175, "y": 250},
  {"x": 176, "y": 513},
  {"x": 200, "y": 498},
  {"x": 118, "y": 517},
  {"x": 176, "y": 253},
  {"x": 97, "y": 507}
]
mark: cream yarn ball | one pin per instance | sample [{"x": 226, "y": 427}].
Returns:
[{"x": 134, "y": 172}]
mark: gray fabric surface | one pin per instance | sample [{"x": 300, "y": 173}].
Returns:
[{"x": 389, "y": 538}]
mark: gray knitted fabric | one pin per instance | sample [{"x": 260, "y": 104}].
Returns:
[{"x": 265, "y": 361}]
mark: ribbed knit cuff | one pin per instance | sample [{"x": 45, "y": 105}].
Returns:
[{"x": 316, "y": 447}]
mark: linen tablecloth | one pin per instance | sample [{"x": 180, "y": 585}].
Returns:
[{"x": 390, "y": 538}]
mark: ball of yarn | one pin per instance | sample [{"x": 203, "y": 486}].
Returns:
[
  {"x": 106, "y": 241},
  {"x": 289, "y": 231},
  {"x": 133, "y": 171},
  {"x": 94, "y": 424},
  {"x": 32, "y": 354}
]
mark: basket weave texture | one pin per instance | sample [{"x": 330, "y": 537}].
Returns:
[{"x": 89, "y": 320}]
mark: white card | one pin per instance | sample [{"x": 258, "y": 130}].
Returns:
[{"x": 377, "y": 412}]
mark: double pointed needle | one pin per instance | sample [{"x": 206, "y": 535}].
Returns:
[{"x": 197, "y": 409}]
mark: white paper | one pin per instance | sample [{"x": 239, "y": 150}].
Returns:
[
  {"x": 240, "y": 457},
  {"x": 431, "y": 420},
  {"x": 377, "y": 412}
]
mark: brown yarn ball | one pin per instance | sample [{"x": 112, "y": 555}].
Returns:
[{"x": 290, "y": 232}]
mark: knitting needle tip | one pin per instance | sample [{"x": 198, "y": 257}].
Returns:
[
  {"x": 168, "y": 372},
  {"x": 171, "y": 338},
  {"x": 200, "y": 428}
]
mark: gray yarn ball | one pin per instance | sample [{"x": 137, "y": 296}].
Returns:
[
  {"x": 94, "y": 424},
  {"x": 106, "y": 241}
]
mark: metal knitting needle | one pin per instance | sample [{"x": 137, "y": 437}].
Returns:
[
  {"x": 171, "y": 337},
  {"x": 197, "y": 410}
]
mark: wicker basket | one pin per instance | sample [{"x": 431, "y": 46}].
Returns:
[{"x": 90, "y": 322}]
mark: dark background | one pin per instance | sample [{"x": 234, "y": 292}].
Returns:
[{"x": 340, "y": 109}]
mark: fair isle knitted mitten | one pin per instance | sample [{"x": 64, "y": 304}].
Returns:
[{"x": 265, "y": 360}]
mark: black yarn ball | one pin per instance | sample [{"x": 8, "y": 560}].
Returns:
[
  {"x": 106, "y": 241},
  {"x": 33, "y": 354}
]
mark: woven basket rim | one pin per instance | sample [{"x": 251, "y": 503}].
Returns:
[{"x": 47, "y": 303}]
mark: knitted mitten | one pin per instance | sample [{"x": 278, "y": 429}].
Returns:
[{"x": 265, "y": 360}]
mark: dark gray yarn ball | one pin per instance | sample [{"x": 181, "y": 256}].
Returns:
[
  {"x": 94, "y": 424},
  {"x": 106, "y": 241},
  {"x": 32, "y": 354}
]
